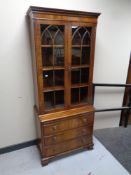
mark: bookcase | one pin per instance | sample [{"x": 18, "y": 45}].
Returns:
[{"x": 63, "y": 44}]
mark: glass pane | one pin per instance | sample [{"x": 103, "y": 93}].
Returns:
[
  {"x": 59, "y": 36},
  {"x": 59, "y": 98},
  {"x": 85, "y": 55},
  {"x": 86, "y": 38},
  {"x": 49, "y": 100},
  {"x": 46, "y": 37},
  {"x": 52, "y": 34},
  {"x": 81, "y": 35},
  {"x": 83, "y": 94},
  {"x": 84, "y": 75},
  {"x": 85, "y": 35},
  {"x": 76, "y": 36},
  {"x": 74, "y": 95},
  {"x": 48, "y": 78},
  {"x": 75, "y": 76},
  {"x": 59, "y": 77},
  {"x": 76, "y": 52},
  {"x": 59, "y": 56},
  {"x": 47, "y": 56}
]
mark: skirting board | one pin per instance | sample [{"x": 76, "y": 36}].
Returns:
[{"x": 18, "y": 146}]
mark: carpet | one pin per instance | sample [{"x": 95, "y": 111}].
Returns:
[{"x": 118, "y": 142}]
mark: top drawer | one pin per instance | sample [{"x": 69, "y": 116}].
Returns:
[{"x": 61, "y": 125}]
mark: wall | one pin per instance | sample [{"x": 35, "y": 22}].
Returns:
[{"x": 17, "y": 122}]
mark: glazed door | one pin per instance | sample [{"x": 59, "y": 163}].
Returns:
[
  {"x": 80, "y": 65},
  {"x": 64, "y": 64},
  {"x": 52, "y": 55}
]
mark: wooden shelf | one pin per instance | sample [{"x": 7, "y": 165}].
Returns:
[
  {"x": 53, "y": 68},
  {"x": 54, "y": 107},
  {"x": 80, "y": 45},
  {"x": 80, "y": 66},
  {"x": 62, "y": 46},
  {"x": 78, "y": 85},
  {"x": 53, "y": 88}
]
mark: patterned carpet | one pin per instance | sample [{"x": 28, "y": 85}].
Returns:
[{"x": 118, "y": 142}]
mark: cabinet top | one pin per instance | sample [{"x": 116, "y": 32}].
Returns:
[{"x": 34, "y": 9}]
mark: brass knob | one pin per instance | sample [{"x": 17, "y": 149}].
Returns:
[
  {"x": 84, "y": 120},
  {"x": 54, "y": 127}
]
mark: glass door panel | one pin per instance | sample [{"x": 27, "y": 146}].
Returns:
[
  {"x": 80, "y": 60},
  {"x": 53, "y": 51}
]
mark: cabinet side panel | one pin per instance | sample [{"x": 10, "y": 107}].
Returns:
[
  {"x": 39, "y": 134},
  {"x": 93, "y": 37},
  {"x": 34, "y": 70}
]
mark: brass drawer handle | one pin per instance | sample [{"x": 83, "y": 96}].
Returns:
[
  {"x": 55, "y": 127},
  {"x": 84, "y": 120}
]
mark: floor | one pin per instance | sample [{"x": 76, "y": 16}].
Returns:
[
  {"x": 118, "y": 142},
  {"x": 96, "y": 162}
]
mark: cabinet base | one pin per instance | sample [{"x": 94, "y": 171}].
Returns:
[
  {"x": 45, "y": 161},
  {"x": 90, "y": 147}
]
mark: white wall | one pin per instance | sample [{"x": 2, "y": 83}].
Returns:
[{"x": 17, "y": 122}]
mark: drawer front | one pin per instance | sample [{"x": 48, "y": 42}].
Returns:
[
  {"x": 81, "y": 120},
  {"x": 67, "y": 146},
  {"x": 67, "y": 135}
]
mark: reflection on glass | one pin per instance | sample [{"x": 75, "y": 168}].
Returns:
[
  {"x": 76, "y": 56},
  {"x": 47, "y": 56},
  {"x": 85, "y": 55},
  {"x": 59, "y": 56},
  {"x": 59, "y": 98},
  {"x": 74, "y": 95},
  {"x": 83, "y": 94},
  {"x": 49, "y": 100},
  {"x": 59, "y": 77},
  {"x": 48, "y": 78},
  {"x": 75, "y": 76}
]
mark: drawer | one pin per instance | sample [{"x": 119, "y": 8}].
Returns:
[
  {"x": 69, "y": 134},
  {"x": 67, "y": 146},
  {"x": 81, "y": 120}
]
